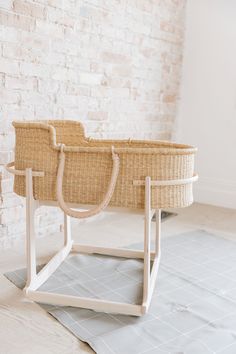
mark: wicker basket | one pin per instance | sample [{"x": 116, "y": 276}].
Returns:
[{"x": 89, "y": 166}]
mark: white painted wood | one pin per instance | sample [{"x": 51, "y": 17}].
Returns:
[
  {"x": 67, "y": 230},
  {"x": 158, "y": 232},
  {"x": 10, "y": 167},
  {"x": 34, "y": 281},
  {"x": 84, "y": 302},
  {"x": 173, "y": 182},
  {"x": 50, "y": 267},
  {"x": 30, "y": 236},
  {"x": 153, "y": 278},
  {"x": 147, "y": 232},
  {"x": 154, "y": 272},
  {"x": 118, "y": 252},
  {"x": 156, "y": 262},
  {"x": 155, "y": 266},
  {"x": 86, "y": 206},
  {"x": 152, "y": 212}
]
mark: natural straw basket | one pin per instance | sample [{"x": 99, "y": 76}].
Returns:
[{"x": 88, "y": 166}]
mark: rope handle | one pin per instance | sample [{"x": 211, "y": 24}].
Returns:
[{"x": 97, "y": 209}]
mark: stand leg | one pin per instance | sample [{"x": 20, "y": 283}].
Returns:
[
  {"x": 34, "y": 280},
  {"x": 147, "y": 245},
  {"x": 67, "y": 230},
  {"x": 158, "y": 232},
  {"x": 30, "y": 236}
]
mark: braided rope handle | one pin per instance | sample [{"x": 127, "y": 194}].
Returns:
[{"x": 97, "y": 209}]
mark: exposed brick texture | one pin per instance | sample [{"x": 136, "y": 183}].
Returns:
[{"x": 113, "y": 64}]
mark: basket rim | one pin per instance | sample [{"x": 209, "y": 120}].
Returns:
[{"x": 167, "y": 147}]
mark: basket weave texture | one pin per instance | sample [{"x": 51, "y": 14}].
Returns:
[{"x": 88, "y": 166}]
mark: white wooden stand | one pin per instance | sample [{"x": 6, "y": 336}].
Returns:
[{"x": 34, "y": 280}]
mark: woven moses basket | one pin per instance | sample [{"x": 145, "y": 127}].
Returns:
[{"x": 88, "y": 171}]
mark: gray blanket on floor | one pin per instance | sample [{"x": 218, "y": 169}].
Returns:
[{"x": 193, "y": 310}]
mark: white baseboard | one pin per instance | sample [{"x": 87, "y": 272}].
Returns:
[{"x": 216, "y": 192}]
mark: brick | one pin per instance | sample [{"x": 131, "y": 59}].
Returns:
[
  {"x": 122, "y": 70},
  {"x": 52, "y": 86},
  {"x": 34, "y": 69},
  {"x": 68, "y": 47},
  {"x": 54, "y": 59},
  {"x": 49, "y": 29},
  {"x": 43, "y": 112},
  {"x": 2, "y": 80},
  {"x": 61, "y": 73},
  {"x": 75, "y": 113},
  {"x": 90, "y": 79},
  {"x": 17, "y": 21},
  {"x": 20, "y": 83},
  {"x": 55, "y": 3},
  {"x": 9, "y": 66},
  {"x": 8, "y": 34},
  {"x": 114, "y": 58},
  {"x": 59, "y": 16},
  {"x": 100, "y": 92},
  {"x": 13, "y": 214},
  {"x": 12, "y": 51},
  {"x": 7, "y": 141},
  {"x": 28, "y": 8},
  {"x": 3, "y": 232},
  {"x": 6, "y": 4},
  {"x": 16, "y": 228},
  {"x": 120, "y": 92},
  {"x": 5, "y": 157},
  {"x": 98, "y": 115},
  {"x": 15, "y": 111},
  {"x": 169, "y": 98},
  {"x": 5, "y": 126},
  {"x": 6, "y": 185},
  {"x": 167, "y": 27},
  {"x": 34, "y": 98},
  {"x": 83, "y": 64},
  {"x": 34, "y": 48},
  {"x": 98, "y": 15},
  {"x": 69, "y": 100},
  {"x": 10, "y": 200},
  {"x": 8, "y": 97},
  {"x": 75, "y": 89}
]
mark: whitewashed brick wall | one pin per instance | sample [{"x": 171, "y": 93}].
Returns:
[{"x": 113, "y": 64}]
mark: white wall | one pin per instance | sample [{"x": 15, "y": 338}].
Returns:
[
  {"x": 114, "y": 65},
  {"x": 207, "y": 110}
]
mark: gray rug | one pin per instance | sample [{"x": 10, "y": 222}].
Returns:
[{"x": 193, "y": 310}]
